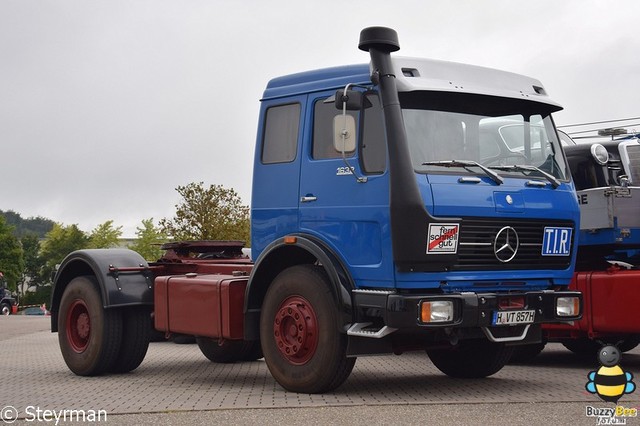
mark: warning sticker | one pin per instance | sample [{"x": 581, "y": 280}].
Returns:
[{"x": 443, "y": 238}]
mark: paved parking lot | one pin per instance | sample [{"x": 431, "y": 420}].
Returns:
[{"x": 176, "y": 384}]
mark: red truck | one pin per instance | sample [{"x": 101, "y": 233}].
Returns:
[{"x": 607, "y": 179}]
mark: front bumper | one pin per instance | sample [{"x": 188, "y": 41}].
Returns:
[{"x": 470, "y": 310}]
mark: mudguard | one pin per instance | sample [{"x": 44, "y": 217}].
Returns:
[
  {"x": 117, "y": 287},
  {"x": 279, "y": 255}
]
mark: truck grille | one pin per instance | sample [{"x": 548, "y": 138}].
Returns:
[
  {"x": 632, "y": 167},
  {"x": 477, "y": 237}
]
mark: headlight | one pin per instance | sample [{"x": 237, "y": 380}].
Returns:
[
  {"x": 436, "y": 311},
  {"x": 599, "y": 153},
  {"x": 568, "y": 306}
]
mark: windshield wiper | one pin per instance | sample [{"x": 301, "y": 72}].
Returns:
[
  {"x": 465, "y": 164},
  {"x": 524, "y": 167}
]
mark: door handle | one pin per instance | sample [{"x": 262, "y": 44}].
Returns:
[{"x": 308, "y": 198}]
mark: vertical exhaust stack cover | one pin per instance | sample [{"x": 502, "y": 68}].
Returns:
[{"x": 409, "y": 217}]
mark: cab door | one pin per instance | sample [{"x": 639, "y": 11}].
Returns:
[{"x": 344, "y": 198}]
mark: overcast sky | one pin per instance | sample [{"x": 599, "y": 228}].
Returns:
[{"x": 106, "y": 106}]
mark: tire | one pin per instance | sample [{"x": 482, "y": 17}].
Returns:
[
  {"x": 183, "y": 339},
  {"x": 136, "y": 335},
  {"x": 300, "y": 332},
  {"x": 527, "y": 353},
  {"x": 252, "y": 351},
  {"x": 5, "y": 309},
  {"x": 89, "y": 335},
  {"x": 629, "y": 343},
  {"x": 471, "y": 359},
  {"x": 583, "y": 346},
  {"x": 229, "y": 351}
]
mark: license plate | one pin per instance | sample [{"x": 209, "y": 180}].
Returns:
[{"x": 513, "y": 317}]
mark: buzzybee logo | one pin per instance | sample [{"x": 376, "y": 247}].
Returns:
[{"x": 610, "y": 381}]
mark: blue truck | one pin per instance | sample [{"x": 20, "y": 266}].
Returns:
[{"x": 386, "y": 216}]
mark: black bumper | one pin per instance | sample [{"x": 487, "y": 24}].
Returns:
[{"x": 471, "y": 310}]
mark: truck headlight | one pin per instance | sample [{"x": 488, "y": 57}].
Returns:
[
  {"x": 567, "y": 306},
  {"x": 600, "y": 154},
  {"x": 436, "y": 311}
]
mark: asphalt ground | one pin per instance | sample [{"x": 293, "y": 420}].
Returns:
[{"x": 177, "y": 385}]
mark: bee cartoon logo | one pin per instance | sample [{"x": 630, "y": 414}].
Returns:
[{"x": 610, "y": 381}]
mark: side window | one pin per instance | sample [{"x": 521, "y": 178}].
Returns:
[
  {"x": 280, "y": 139},
  {"x": 373, "y": 149},
  {"x": 323, "y": 116}
]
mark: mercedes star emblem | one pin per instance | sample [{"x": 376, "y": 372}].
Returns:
[{"x": 506, "y": 244}]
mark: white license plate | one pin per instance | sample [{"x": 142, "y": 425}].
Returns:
[{"x": 513, "y": 317}]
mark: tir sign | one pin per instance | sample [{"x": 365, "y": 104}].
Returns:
[{"x": 556, "y": 241}]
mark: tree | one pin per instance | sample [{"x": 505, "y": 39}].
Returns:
[
  {"x": 58, "y": 243},
  {"x": 149, "y": 240},
  {"x": 11, "y": 260},
  {"x": 33, "y": 225},
  {"x": 213, "y": 213},
  {"x": 33, "y": 263},
  {"x": 105, "y": 235}
]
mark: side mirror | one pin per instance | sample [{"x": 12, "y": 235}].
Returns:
[
  {"x": 352, "y": 98},
  {"x": 344, "y": 133}
]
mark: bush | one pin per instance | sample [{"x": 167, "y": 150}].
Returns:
[{"x": 38, "y": 297}]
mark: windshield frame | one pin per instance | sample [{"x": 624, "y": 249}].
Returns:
[{"x": 466, "y": 112}]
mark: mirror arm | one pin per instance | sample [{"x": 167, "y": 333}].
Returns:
[{"x": 359, "y": 179}]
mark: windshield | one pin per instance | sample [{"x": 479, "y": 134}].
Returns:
[{"x": 505, "y": 133}]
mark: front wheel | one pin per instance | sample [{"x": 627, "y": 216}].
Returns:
[
  {"x": 471, "y": 358},
  {"x": 300, "y": 332},
  {"x": 89, "y": 335},
  {"x": 527, "y": 353}
]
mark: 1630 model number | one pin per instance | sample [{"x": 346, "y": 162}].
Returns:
[{"x": 342, "y": 171}]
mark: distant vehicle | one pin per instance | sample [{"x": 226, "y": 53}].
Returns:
[
  {"x": 8, "y": 304},
  {"x": 35, "y": 310}
]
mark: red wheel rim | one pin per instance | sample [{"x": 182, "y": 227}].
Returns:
[
  {"x": 295, "y": 329},
  {"x": 78, "y": 326}
]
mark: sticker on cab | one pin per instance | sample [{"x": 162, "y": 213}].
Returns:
[
  {"x": 556, "y": 241},
  {"x": 443, "y": 238}
]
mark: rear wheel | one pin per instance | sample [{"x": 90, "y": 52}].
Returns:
[
  {"x": 582, "y": 346},
  {"x": 471, "y": 358},
  {"x": 587, "y": 347},
  {"x": 300, "y": 334},
  {"x": 89, "y": 335},
  {"x": 136, "y": 335},
  {"x": 629, "y": 343},
  {"x": 229, "y": 350},
  {"x": 5, "y": 309}
]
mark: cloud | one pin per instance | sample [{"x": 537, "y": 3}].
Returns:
[{"x": 107, "y": 106}]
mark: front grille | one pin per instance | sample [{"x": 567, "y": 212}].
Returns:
[
  {"x": 477, "y": 237},
  {"x": 633, "y": 165}
]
